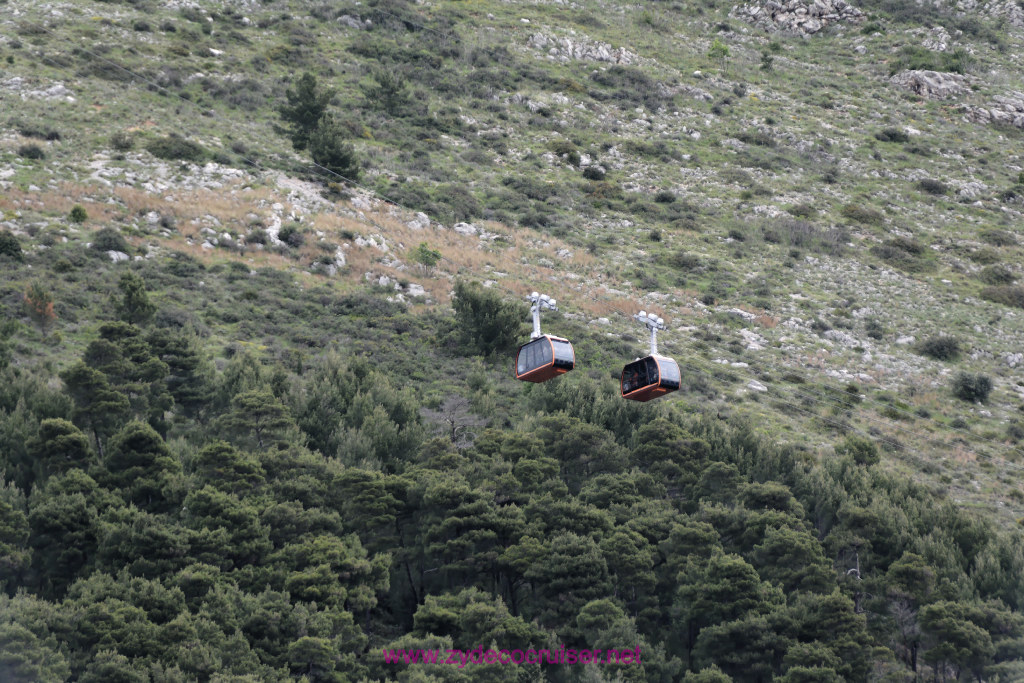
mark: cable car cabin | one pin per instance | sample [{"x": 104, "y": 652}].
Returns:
[
  {"x": 543, "y": 358},
  {"x": 649, "y": 377}
]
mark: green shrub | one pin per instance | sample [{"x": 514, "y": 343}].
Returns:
[
  {"x": 863, "y": 214},
  {"x": 77, "y": 214},
  {"x": 487, "y": 323},
  {"x": 685, "y": 261},
  {"x": 329, "y": 150},
  {"x": 998, "y": 238},
  {"x": 109, "y": 239},
  {"x": 902, "y": 252},
  {"x": 985, "y": 256},
  {"x": 892, "y": 135},
  {"x": 863, "y": 451},
  {"x": 291, "y": 234},
  {"x": 933, "y": 186},
  {"x": 10, "y": 246},
  {"x": 425, "y": 256},
  {"x": 566, "y": 149},
  {"x": 973, "y": 388},
  {"x": 456, "y": 203},
  {"x": 942, "y": 347},
  {"x": 996, "y": 275},
  {"x": 31, "y": 131},
  {"x": 1007, "y": 295},
  {"x": 174, "y": 147},
  {"x": 31, "y": 152},
  {"x": 122, "y": 141},
  {"x": 921, "y": 58},
  {"x": 593, "y": 173}
]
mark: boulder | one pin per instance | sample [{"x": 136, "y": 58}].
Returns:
[
  {"x": 933, "y": 85},
  {"x": 798, "y": 16},
  {"x": 1003, "y": 109}
]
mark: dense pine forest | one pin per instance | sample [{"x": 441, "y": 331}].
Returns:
[
  {"x": 371, "y": 479},
  {"x": 262, "y": 278}
]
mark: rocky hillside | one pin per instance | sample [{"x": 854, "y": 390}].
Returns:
[{"x": 824, "y": 199}]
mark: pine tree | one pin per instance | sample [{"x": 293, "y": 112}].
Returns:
[
  {"x": 39, "y": 307},
  {"x": 328, "y": 149},
  {"x": 134, "y": 306},
  {"x": 306, "y": 105}
]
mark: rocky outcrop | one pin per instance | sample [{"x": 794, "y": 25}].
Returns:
[
  {"x": 1009, "y": 10},
  {"x": 933, "y": 85},
  {"x": 566, "y": 49},
  {"x": 1005, "y": 109},
  {"x": 798, "y": 16}
]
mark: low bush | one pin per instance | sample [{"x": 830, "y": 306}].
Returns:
[
  {"x": 30, "y": 131},
  {"x": 902, "y": 252},
  {"x": 863, "y": 214},
  {"x": 892, "y": 135},
  {"x": 1008, "y": 295},
  {"x": 10, "y": 246},
  {"x": 109, "y": 239},
  {"x": 31, "y": 152},
  {"x": 996, "y": 275},
  {"x": 998, "y": 238},
  {"x": 122, "y": 141},
  {"x": 291, "y": 234},
  {"x": 974, "y": 388},
  {"x": 942, "y": 347},
  {"x": 921, "y": 58},
  {"x": 174, "y": 148},
  {"x": 933, "y": 186}
]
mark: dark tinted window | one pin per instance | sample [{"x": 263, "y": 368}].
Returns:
[{"x": 534, "y": 355}]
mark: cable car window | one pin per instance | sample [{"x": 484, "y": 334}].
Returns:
[
  {"x": 669, "y": 371},
  {"x": 634, "y": 376},
  {"x": 563, "y": 352},
  {"x": 534, "y": 355},
  {"x": 652, "y": 371},
  {"x": 543, "y": 352}
]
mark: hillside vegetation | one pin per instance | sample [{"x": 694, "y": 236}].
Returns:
[{"x": 262, "y": 266}]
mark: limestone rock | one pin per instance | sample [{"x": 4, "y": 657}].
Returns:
[
  {"x": 580, "y": 49},
  {"x": 1009, "y": 10},
  {"x": 420, "y": 222},
  {"x": 933, "y": 85},
  {"x": 1004, "y": 109},
  {"x": 798, "y": 16}
]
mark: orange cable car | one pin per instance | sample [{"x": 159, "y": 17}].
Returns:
[
  {"x": 653, "y": 376},
  {"x": 650, "y": 377},
  {"x": 545, "y": 356}
]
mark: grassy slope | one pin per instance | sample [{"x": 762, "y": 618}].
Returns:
[{"x": 745, "y": 153}]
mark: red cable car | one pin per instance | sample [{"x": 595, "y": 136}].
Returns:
[
  {"x": 653, "y": 376},
  {"x": 650, "y": 377},
  {"x": 545, "y": 355}
]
